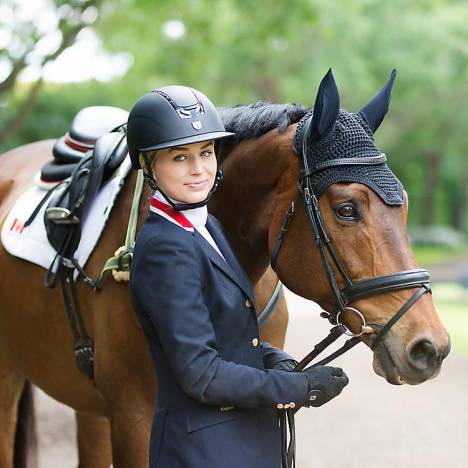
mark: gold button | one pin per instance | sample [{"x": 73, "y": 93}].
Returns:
[
  {"x": 286, "y": 406},
  {"x": 280, "y": 405},
  {"x": 255, "y": 342},
  {"x": 248, "y": 303},
  {"x": 292, "y": 404}
]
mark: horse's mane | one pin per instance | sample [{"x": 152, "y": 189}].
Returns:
[{"x": 254, "y": 120}]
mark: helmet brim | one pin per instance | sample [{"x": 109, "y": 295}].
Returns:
[{"x": 189, "y": 140}]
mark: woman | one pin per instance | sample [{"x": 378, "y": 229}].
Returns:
[{"x": 219, "y": 389}]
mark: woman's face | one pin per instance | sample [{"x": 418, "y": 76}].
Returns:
[{"x": 186, "y": 173}]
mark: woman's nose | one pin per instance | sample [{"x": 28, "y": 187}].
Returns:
[{"x": 197, "y": 166}]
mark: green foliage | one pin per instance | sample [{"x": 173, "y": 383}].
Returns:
[
  {"x": 245, "y": 50},
  {"x": 56, "y": 106}
]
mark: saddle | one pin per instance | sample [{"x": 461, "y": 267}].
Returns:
[
  {"x": 89, "y": 124},
  {"x": 83, "y": 159},
  {"x": 68, "y": 205}
]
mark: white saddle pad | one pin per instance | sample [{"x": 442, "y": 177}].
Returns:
[{"x": 31, "y": 243}]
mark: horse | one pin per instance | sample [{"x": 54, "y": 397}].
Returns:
[{"x": 261, "y": 172}]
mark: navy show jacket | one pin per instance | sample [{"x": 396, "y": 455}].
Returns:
[{"x": 217, "y": 394}]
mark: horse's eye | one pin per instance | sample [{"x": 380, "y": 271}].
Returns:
[{"x": 347, "y": 211}]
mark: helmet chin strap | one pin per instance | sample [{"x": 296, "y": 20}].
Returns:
[{"x": 181, "y": 206}]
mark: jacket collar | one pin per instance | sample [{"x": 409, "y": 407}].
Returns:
[{"x": 188, "y": 219}]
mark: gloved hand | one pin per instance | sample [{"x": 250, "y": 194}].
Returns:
[
  {"x": 286, "y": 365},
  {"x": 325, "y": 383}
]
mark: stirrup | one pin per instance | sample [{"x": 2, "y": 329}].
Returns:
[{"x": 60, "y": 215}]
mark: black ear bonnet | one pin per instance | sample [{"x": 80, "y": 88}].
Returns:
[{"x": 338, "y": 134}]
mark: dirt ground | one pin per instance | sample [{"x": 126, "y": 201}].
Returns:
[{"x": 371, "y": 425}]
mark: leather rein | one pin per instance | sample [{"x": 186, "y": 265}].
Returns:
[{"x": 415, "y": 278}]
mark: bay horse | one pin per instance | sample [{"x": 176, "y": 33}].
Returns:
[{"x": 261, "y": 171}]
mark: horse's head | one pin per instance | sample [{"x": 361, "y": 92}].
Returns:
[{"x": 362, "y": 208}]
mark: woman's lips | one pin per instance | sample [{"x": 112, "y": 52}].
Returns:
[{"x": 197, "y": 185}]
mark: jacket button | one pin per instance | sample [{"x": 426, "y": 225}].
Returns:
[
  {"x": 248, "y": 303},
  {"x": 255, "y": 342}
]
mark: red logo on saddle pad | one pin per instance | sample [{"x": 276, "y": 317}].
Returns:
[{"x": 17, "y": 226}]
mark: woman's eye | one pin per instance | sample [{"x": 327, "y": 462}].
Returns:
[
  {"x": 347, "y": 211},
  {"x": 180, "y": 157},
  {"x": 205, "y": 154}
]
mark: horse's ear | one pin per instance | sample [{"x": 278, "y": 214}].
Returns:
[
  {"x": 374, "y": 111},
  {"x": 326, "y": 108}
]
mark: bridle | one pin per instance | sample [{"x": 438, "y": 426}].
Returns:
[{"x": 415, "y": 278}]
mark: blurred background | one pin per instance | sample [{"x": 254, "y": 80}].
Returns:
[{"x": 57, "y": 57}]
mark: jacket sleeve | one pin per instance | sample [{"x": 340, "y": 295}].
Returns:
[
  {"x": 167, "y": 285},
  {"x": 271, "y": 355}
]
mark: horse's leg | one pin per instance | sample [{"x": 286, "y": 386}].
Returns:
[
  {"x": 125, "y": 377},
  {"x": 274, "y": 328},
  {"x": 16, "y": 437},
  {"x": 94, "y": 444}
]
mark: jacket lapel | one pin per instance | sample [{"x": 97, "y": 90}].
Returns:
[{"x": 230, "y": 267}]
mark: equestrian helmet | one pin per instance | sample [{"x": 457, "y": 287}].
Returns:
[{"x": 171, "y": 116}]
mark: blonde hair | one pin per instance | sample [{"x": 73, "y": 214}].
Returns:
[{"x": 148, "y": 154}]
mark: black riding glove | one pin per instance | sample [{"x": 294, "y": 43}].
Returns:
[
  {"x": 286, "y": 365},
  {"x": 325, "y": 383}
]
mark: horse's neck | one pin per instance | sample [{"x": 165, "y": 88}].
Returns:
[{"x": 246, "y": 200}]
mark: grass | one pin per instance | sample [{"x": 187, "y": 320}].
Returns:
[
  {"x": 430, "y": 255},
  {"x": 452, "y": 305}
]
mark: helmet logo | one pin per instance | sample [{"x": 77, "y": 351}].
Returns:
[{"x": 197, "y": 125}]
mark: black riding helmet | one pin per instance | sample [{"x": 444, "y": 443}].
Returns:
[{"x": 168, "y": 117}]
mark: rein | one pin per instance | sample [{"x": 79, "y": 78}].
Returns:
[{"x": 351, "y": 291}]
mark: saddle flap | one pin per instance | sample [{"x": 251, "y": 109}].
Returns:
[{"x": 110, "y": 147}]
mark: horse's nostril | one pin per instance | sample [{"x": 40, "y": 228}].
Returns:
[{"x": 422, "y": 354}]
